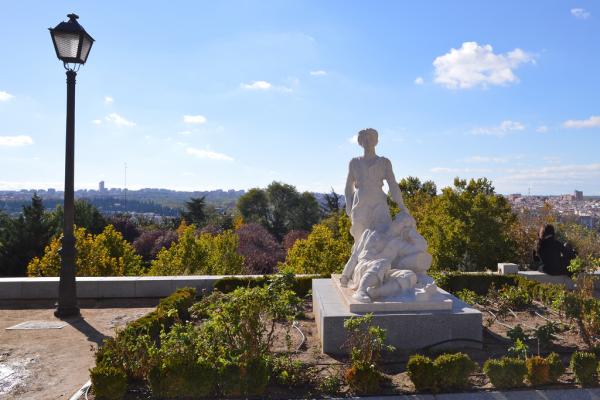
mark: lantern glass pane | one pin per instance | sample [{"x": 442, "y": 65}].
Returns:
[
  {"x": 85, "y": 48},
  {"x": 66, "y": 44}
]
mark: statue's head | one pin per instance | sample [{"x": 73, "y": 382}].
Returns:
[{"x": 368, "y": 138}]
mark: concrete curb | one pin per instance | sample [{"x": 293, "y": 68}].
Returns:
[{"x": 106, "y": 287}]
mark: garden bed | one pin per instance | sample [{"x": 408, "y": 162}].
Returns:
[{"x": 309, "y": 373}]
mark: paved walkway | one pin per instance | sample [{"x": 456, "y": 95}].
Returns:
[{"x": 54, "y": 363}]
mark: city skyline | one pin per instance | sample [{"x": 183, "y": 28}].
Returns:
[{"x": 237, "y": 95}]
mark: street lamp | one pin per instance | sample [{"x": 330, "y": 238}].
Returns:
[{"x": 72, "y": 45}]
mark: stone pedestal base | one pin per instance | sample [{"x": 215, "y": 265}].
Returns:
[
  {"x": 406, "y": 330},
  {"x": 410, "y": 300}
]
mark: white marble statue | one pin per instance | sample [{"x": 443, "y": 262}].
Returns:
[{"x": 388, "y": 256}]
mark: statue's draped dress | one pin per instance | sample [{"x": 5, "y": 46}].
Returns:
[{"x": 369, "y": 206}]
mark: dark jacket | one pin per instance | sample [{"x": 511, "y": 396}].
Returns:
[{"x": 555, "y": 256}]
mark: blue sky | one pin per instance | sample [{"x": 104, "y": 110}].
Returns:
[{"x": 236, "y": 94}]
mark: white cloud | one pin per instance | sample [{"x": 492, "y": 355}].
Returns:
[
  {"x": 580, "y": 13},
  {"x": 15, "y": 141},
  {"x": 118, "y": 120},
  {"x": 207, "y": 154},
  {"x": 353, "y": 139},
  {"x": 542, "y": 129},
  {"x": 419, "y": 80},
  {"x": 558, "y": 173},
  {"x": 591, "y": 122},
  {"x": 5, "y": 96},
  {"x": 318, "y": 72},
  {"x": 96, "y": 121},
  {"x": 257, "y": 85},
  {"x": 473, "y": 65},
  {"x": 194, "y": 119},
  {"x": 185, "y": 133},
  {"x": 503, "y": 129},
  {"x": 108, "y": 100}
]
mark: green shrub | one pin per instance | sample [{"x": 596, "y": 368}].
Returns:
[
  {"x": 452, "y": 371},
  {"x": 516, "y": 333},
  {"x": 515, "y": 297},
  {"x": 289, "y": 372},
  {"x": 468, "y": 296},
  {"x": 584, "y": 367},
  {"x": 301, "y": 285},
  {"x": 538, "y": 370},
  {"x": 545, "y": 334},
  {"x": 556, "y": 367},
  {"x": 505, "y": 373},
  {"x": 518, "y": 350},
  {"x": 108, "y": 383},
  {"x": 366, "y": 343},
  {"x": 255, "y": 377},
  {"x": 422, "y": 373},
  {"x": 479, "y": 283},
  {"x": 178, "y": 370},
  {"x": 330, "y": 384},
  {"x": 363, "y": 378}
]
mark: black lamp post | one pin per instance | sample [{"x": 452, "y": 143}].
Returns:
[{"x": 72, "y": 44}]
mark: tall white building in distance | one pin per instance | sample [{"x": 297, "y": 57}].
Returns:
[{"x": 101, "y": 187}]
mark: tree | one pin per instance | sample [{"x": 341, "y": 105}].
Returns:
[
  {"x": 320, "y": 253},
  {"x": 199, "y": 254},
  {"x": 27, "y": 237},
  {"x": 105, "y": 254},
  {"x": 126, "y": 225},
  {"x": 259, "y": 248},
  {"x": 412, "y": 186},
  {"x": 333, "y": 203},
  {"x": 279, "y": 208},
  {"x": 86, "y": 216},
  {"x": 468, "y": 226},
  {"x": 254, "y": 207},
  {"x": 195, "y": 211}
]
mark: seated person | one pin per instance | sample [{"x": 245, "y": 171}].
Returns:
[{"x": 554, "y": 255}]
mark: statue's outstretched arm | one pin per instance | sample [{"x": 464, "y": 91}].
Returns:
[
  {"x": 349, "y": 191},
  {"x": 393, "y": 185}
]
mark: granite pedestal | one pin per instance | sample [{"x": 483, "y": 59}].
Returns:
[{"x": 406, "y": 330}]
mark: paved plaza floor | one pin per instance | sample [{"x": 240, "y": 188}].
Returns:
[{"x": 53, "y": 363}]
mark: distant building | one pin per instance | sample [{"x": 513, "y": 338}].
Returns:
[
  {"x": 578, "y": 195},
  {"x": 101, "y": 187},
  {"x": 51, "y": 191}
]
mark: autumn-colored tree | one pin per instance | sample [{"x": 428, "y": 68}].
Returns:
[
  {"x": 320, "y": 253},
  {"x": 199, "y": 254},
  {"x": 105, "y": 254}
]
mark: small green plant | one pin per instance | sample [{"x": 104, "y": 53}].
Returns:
[
  {"x": 330, "y": 384},
  {"x": 469, "y": 296},
  {"x": 518, "y": 350},
  {"x": 584, "y": 367},
  {"x": 505, "y": 373},
  {"x": 556, "y": 367},
  {"x": 108, "y": 383},
  {"x": 422, "y": 373},
  {"x": 289, "y": 372},
  {"x": 516, "y": 333},
  {"x": 545, "y": 334},
  {"x": 515, "y": 297},
  {"x": 366, "y": 343},
  {"x": 538, "y": 370},
  {"x": 452, "y": 371}
]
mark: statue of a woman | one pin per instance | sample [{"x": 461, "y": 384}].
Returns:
[{"x": 366, "y": 203}]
